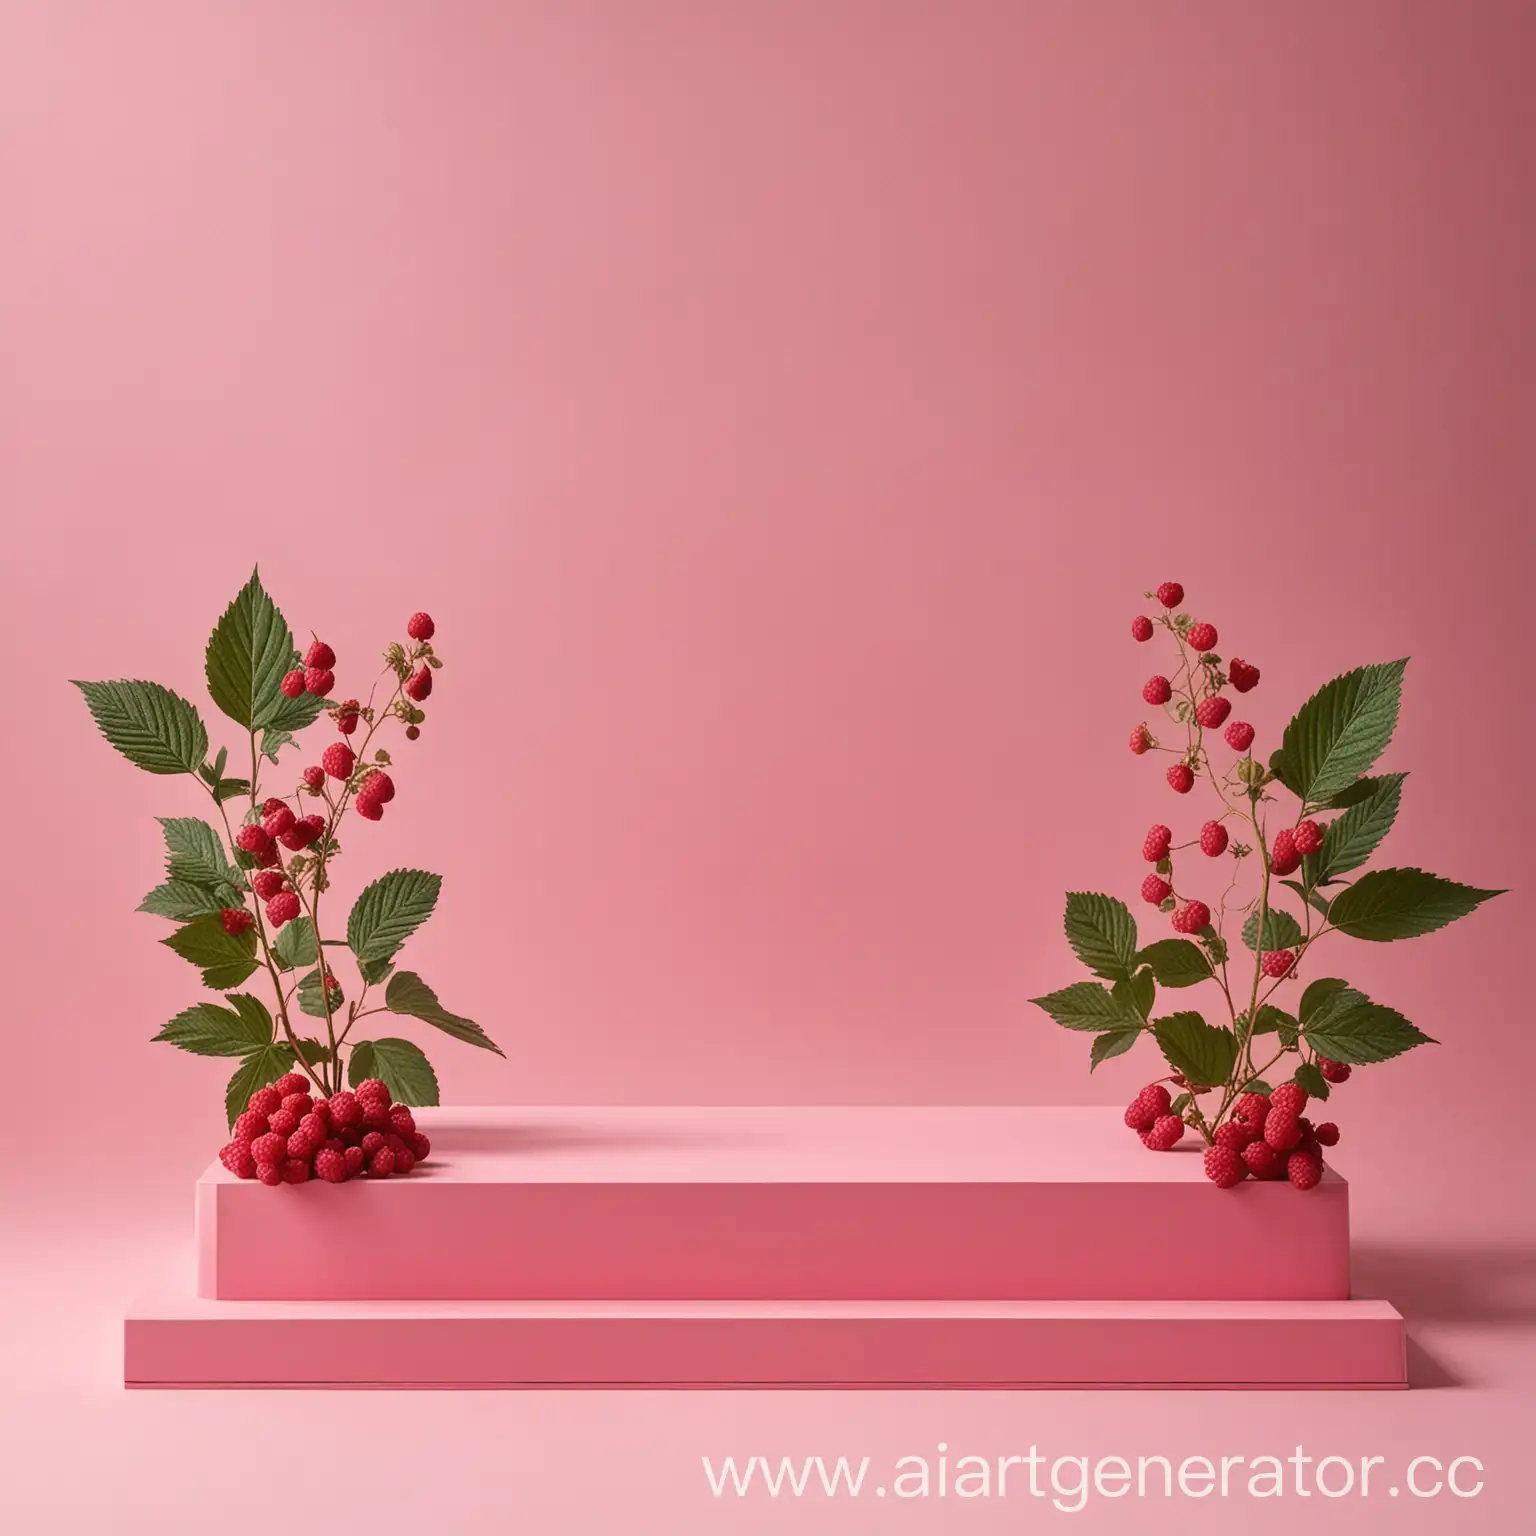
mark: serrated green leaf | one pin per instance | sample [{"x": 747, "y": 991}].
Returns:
[
  {"x": 399, "y": 1065},
  {"x": 1340, "y": 732},
  {"x": 1255, "y": 1085},
  {"x": 313, "y": 1051},
  {"x": 1351, "y": 794},
  {"x": 1313, "y": 899},
  {"x": 295, "y": 944},
  {"x": 250, "y": 650},
  {"x": 1310, "y": 1080},
  {"x": 312, "y": 999},
  {"x": 1138, "y": 993},
  {"x": 1102, "y": 933},
  {"x": 231, "y": 789},
  {"x": 1348, "y": 1026},
  {"x": 1276, "y": 1021},
  {"x": 408, "y": 994},
  {"x": 225, "y": 961},
  {"x": 155, "y": 729},
  {"x": 181, "y": 900},
  {"x": 194, "y": 853},
  {"x": 206, "y": 1029},
  {"x": 1114, "y": 1042},
  {"x": 389, "y": 911},
  {"x": 1317, "y": 993},
  {"x": 1387, "y": 904},
  {"x": 1354, "y": 837},
  {"x": 1281, "y": 930},
  {"x": 1176, "y": 962},
  {"x": 374, "y": 971},
  {"x": 273, "y": 742},
  {"x": 258, "y": 1069},
  {"x": 1201, "y": 1051},
  {"x": 1088, "y": 1005}
]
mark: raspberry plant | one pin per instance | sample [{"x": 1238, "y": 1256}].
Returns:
[
  {"x": 249, "y": 898},
  {"x": 1306, "y": 822}
]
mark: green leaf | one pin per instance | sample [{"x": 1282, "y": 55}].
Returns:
[
  {"x": 1102, "y": 934},
  {"x": 1281, "y": 930},
  {"x": 1318, "y": 903},
  {"x": 206, "y": 1029},
  {"x": 1317, "y": 993},
  {"x": 313, "y": 1051},
  {"x": 312, "y": 999},
  {"x": 258, "y": 1069},
  {"x": 194, "y": 853},
  {"x": 273, "y": 742},
  {"x": 1351, "y": 794},
  {"x": 1350, "y": 1027},
  {"x": 296, "y": 944},
  {"x": 373, "y": 971},
  {"x": 1354, "y": 837},
  {"x": 1114, "y": 1042},
  {"x": 1339, "y": 732},
  {"x": 1386, "y": 904},
  {"x": 1202, "y": 1052},
  {"x": 1310, "y": 1080},
  {"x": 231, "y": 789},
  {"x": 1276, "y": 1021},
  {"x": 1176, "y": 962},
  {"x": 250, "y": 650},
  {"x": 399, "y": 1065},
  {"x": 1255, "y": 1085},
  {"x": 152, "y": 727},
  {"x": 1137, "y": 993},
  {"x": 182, "y": 900},
  {"x": 1087, "y": 1005},
  {"x": 223, "y": 960},
  {"x": 389, "y": 911},
  {"x": 407, "y": 993}
]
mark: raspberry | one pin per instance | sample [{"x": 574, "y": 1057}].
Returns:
[
  {"x": 303, "y": 832},
  {"x": 315, "y": 777},
  {"x": 235, "y": 920},
  {"x": 405, "y": 1160},
  {"x": 1278, "y": 962},
  {"x": 420, "y": 1146},
  {"x": 283, "y": 908},
  {"x": 1164, "y": 1135},
  {"x": 1304, "y": 1170},
  {"x": 253, "y": 838},
  {"x": 334, "y": 1144},
  {"x": 302, "y": 1145},
  {"x": 344, "y": 1109},
  {"x": 1327, "y": 1134},
  {"x": 376, "y": 1114},
  {"x": 272, "y": 804},
  {"x": 1141, "y": 740},
  {"x": 378, "y": 786},
  {"x": 1333, "y": 1071},
  {"x": 1290, "y": 1098},
  {"x": 291, "y": 1082},
  {"x": 412, "y": 732},
  {"x": 420, "y": 684},
  {"x": 1158, "y": 690},
  {"x": 1144, "y": 1110},
  {"x": 369, "y": 808},
  {"x": 267, "y": 883},
  {"x": 1283, "y": 858},
  {"x": 265, "y": 1100},
  {"x": 330, "y": 1166},
  {"x": 299, "y": 1104},
  {"x": 269, "y": 1149},
  {"x": 1141, "y": 627},
  {"x": 420, "y": 626},
  {"x": 1308, "y": 837},
  {"x": 1242, "y": 676},
  {"x": 1239, "y": 735},
  {"x": 372, "y": 1142},
  {"x": 282, "y": 1122},
  {"x": 1253, "y": 1107},
  {"x": 381, "y": 1164},
  {"x": 371, "y": 1088},
  {"x": 1236, "y": 1134},
  {"x": 1156, "y": 890},
  {"x": 1170, "y": 594},
  {"x": 1213, "y": 839},
  {"x": 269, "y": 1173},
  {"x": 292, "y": 683},
  {"x": 1181, "y": 778},
  {"x": 249, "y": 1125},
  {"x": 1192, "y": 917},
  {"x": 355, "y": 1161},
  {"x": 1262, "y": 1161},
  {"x": 295, "y": 1170},
  {"x": 236, "y": 1156},
  {"x": 313, "y": 1125},
  {"x": 269, "y": 859},
  {"x": 1156, "y": 844},
  {"x": 1282, "y": 1128},
  {"x": 337, "y": 760},
  {"x": 275, "y": 823},
  {"x": 402, "y": 1119},
  {"x": 319, "y": 681},
  {"x": 346, "y": 717},
  {"x": 320, "y": 655},
  {"x": 1211, "y": 712},
  {"x": 1202, "y": 637},
  {"x": 1224, "y": 1168},
  {"x": 395, "y": 1142}
]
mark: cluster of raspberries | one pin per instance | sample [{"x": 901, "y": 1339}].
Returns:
[{"x": 286, "y": 1137}]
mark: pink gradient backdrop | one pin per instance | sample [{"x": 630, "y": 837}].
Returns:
[{"x": 780, "y": 406}]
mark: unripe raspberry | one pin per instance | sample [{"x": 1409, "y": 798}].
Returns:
[
  {"x": 235, "y": 920},
  {"x": 1283, "y": 858},
  {"x": 355, "y": 1161},
  {"x": 1236, "y": 1134},
  {"x": 267, "y": 883},
  {"x": 1282, "y": 1128},
  {"x": 1289, "y": 1097},
  {"x": 381, "y": 1164},
  {"x": 1164, "y": 1135},
  {"x": 292, "y": 684},
  {"x": 320, "y": 655},
  {"x": 372, "y": 1088},
  {"x": 253, "y": 838},
  {"x": 1156, "y": 844},
  {"x": 337, "y": 760},
  {"x": 283, "y": 908},
  {"x": 299, "y": 1103},
  {"x": 1242, "y": 676},
  {"x": 1239, "y": 735},
  {"x": 269, "y": 1173},
  {"x": 1213, "y": 839},
  {"x": 275, "y": 823},
  {"x": 319, "y": 681},
  {"x": 420, "y": 626},
  {"x": 346, "y": 720},
  {"x": 1224, "y": 1168},
  {"x": 1304, "y": 1170},
  {"x": 1144, "y": 1110},
  {"x": 1192, "y": 917},
  {"x": 1333, "y": 1071},
  {"x": 421, "y": 1147},
  {"x": 1201, "y": 637},
  {"x": 1181, "y": 778},
  {"x": 330, "y": 1166},
  {"x": 1278, "y": 962},
  {"x": 1211, "y": 712},
  {"x": 420, "y": 684},
  {"x": 1158, "y": 690},
  {"x": 1327, "y": 1134},
  {"x": 1253, "y": 1107},
  {"x": 315, "y": 777},
  {"x": 1308, "y": 837},
  {"x": 344, "y": 1109},
  {"x": 271, "y": 1148},
  {"x": 1170, "y": 594},
  {"x": 1156, "y": 890},
  {"x": 1262, "y": 1161},
  {"x": 1141, "y": 740},
  {"x": 1141, "y": 627},
  {"x": 372, "y": 1142},
  {"x": 412, "y": 732},
  {"x": 249, "y": 1125},
  {"x": 265, "y": 1100}
]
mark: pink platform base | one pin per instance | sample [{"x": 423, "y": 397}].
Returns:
[
  {"x": 820, "y": 1204},
  {"x": 175, "y": 1339}
]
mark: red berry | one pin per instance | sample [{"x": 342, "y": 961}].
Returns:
[
  {"x": 275, "y": 823},
  {"x": 1192, "y": 917},
  {"x": 378, "y": 786},
  {"x": 369, "y": 808},
  {"x": 1236, "y": 1134},
  {"x": 320, "y": 655},
  {"x": 337, "y": 760},
  {"x": 1263, "y": 1161},
  {"x": 1156, "y": 890},
  {"x": 412, "y": 732},
  {"x": 1141, "y": 627},
  {"x": 302, "y": 1144},
  {"x": 1304, "y": 1170},
  {"x": 267, "y": 883},
  {"x": 344, "y": 1109},
  {"x": 1158, "y": 690},
  {"x": 402, "y": 1120},
  {"x": 376, "y": 1114},
  {"x": 372, "y": 1088},
  {"x": 1327, "y": 1134},
  {"x": 319, "y": 681},
  {"x": 249, "y": 1125},
  {"x": 283, "y": 908},
  {"x": 265, "y": 1100},
  {"x": 1170, "y": 594},
  {"x": 282, "y": 1122},
  {"x": 1213, "y": 839},
  {"x": 299, "y": 1103},
  {"x": 272, "y": 804},
  {"x": 330, "y": 1166},
  {"x": 381, "y": 1164},
  {"x": 1202, "y": 637},
  {"x": 347, "y": 716},
  {"x": 1143, "y": 1111},
  {"x": 291, "y": 1082},
  {"x": 313, "y": 1125},
  {"x": 1278, "y": 962},
  {"x": 405, "y": 1160},
  {"x": 1333, "y": 1071},
  {"x": 1308, "y": 837},
  {"x": 1239, "y": 735},
  {"x": 253, "y": 838},
  {"x": 1156, "y": 845},
  {"x": 1289, "y": 1097},
  {"x": 1283, "y": 858},
  {"x": 1224, "y": 1168},
  {"x": 420, "y": 626},
  {"x": 269, "y": 1173},
  {"x": 235, "y": 920},
  {"x": 270, "y": 859},
  {"x": 1141, "y": 740},
  {"x": 1243, "y": 677},
  {"x": 303, "y": 832},
  {"x": 420, "y": 1146},
  {"x": 420, "y": 684},
  {"x": 1181, "y": 778},
  {"x": 1211, "y": 712},
  {"x": 295, "y": 1170},
  {"x": 315, "y": 777},
  {"x": 292, "y": 684},
  {"x": 1253, "y": 1107},
  {"x": 1282, "y": 1128},
  {"x": 271, "y": 1148},
  {"x": 355, "y": 1161},
  {"x": 372, "y": 1142},
  {"x": 1164, "y": 1135},
  {"x": 236, "y": 1156}
]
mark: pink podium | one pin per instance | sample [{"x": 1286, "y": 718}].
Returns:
[{"x": 771, "y": 1247}]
